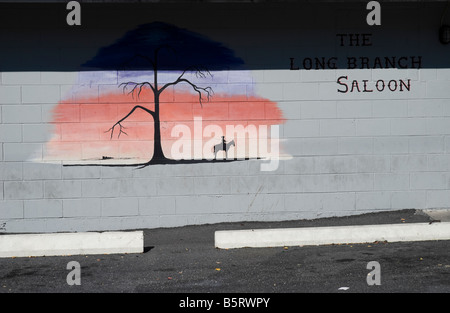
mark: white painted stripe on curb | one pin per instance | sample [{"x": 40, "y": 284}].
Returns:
[
  {"x": 228, "y": 239},
  {"x": 24, "y": 245}
]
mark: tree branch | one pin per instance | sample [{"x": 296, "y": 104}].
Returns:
[
  {"x": 121, "y": 127},
  {"x": 198, "y": 73},
  {"x": 207, "y": 90},
  {"x": 120, "y": 130},
  {"x": 136, "y": 85}
]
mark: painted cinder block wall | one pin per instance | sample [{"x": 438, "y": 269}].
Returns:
[{"x": 345, "y": 147}]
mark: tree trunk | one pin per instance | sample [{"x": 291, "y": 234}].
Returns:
[{"x": 158, "y": 154}]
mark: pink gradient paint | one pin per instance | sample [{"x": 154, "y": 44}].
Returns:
[{"x": 82, "y": 123}]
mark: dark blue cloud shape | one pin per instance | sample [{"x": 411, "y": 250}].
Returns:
[{"x": 177, "y": 48}]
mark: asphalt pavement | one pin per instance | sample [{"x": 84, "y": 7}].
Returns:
[{"x": 183, "y": 260}]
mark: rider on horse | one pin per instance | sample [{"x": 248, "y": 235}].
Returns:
[{"x": 224, "y": 143}]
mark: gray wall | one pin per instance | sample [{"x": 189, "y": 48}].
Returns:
[{"x": 342, "y": 153}]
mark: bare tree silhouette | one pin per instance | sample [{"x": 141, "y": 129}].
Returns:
[
  {"x": 136, "y": 88},
  {"x": 142, "y": 49}
]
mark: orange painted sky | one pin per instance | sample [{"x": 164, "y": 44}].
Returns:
[{"x": 81, "y": 123}]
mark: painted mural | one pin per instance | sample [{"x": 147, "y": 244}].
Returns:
[{"x": 159, "y": 95}]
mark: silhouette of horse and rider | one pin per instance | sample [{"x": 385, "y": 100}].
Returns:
[{"x": 225, "y": 146}]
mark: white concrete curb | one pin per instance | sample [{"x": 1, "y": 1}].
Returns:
[
  {"x": 228, "y": 239},
  {"x": 24, "y": 245}
]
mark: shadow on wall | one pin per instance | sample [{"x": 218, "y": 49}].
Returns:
[{"x": 265, "y": 35}]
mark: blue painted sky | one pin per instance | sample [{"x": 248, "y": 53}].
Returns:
[{"x": 178, "y": 49}]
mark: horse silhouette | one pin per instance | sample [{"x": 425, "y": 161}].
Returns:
[{"x": 223, "y": 146}]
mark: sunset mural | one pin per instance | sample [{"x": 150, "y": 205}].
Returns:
[{"x": 165, "y": 107}]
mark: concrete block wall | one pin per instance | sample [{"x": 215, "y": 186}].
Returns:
[{"x": 342, "y": 153}]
